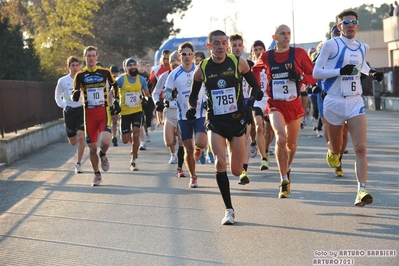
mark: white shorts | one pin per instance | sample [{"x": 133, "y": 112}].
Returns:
[
  {"x": 338, "y": 109},
  {"x": 170, "y": 116}
]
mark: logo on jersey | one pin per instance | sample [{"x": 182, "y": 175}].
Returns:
[
  {"x": 229, "y": 72},
  {"x": 221, "y": 83},
  {"x": 274, "y": 68},
  {"x": 288, "y": 65},
  {"x": 212, "y": 76},
  {"x": 93, "y": 79}
]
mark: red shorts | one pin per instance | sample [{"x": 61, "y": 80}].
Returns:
[
  {"x": 290, "y": 110},
  {"x": 97, "y": 120}
]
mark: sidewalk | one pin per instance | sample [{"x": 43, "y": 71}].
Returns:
[{"x": 51, "y": 216}]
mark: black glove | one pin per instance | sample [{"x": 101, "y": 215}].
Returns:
[
  {"x": 259, "y": 96},
  {"x": 68, "y": 109},
  {"x": 159, "y": 106},
  {"x": 190, "y": 114},
  {"x": 378, "y": 76},
  {"x": 293, "y": 75},
  {"x": 115, "y": 108},
  {"x": 248, "y": 114},
  {"x": 347, "y": 69},
  {"x": 75, "y": 95},
  {"x": 174, "y": 93},
  {"x": 313, "y": 89},
  {"x": 165, "y": 103}
]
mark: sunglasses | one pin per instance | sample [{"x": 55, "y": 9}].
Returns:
[
  {"x": 186, "y": 54},
  {"x": 348, "y": 21}
]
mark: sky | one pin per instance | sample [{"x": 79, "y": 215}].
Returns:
[{"x": 311, "y": 18}]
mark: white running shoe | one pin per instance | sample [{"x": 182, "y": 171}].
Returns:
[
  {"x": 148, "y": 139},
  {"x": 78, "y": 168},
  {"x": 142, "y": 146},
  {"x": 193, "y": 182},
  {"x": 228, "y": 217},
  {"x": 133, "y": 166},
  {"x": 253, "y": 150},
  {"x": 104, "y": 162},
  {"x": 173, "y": 159},
  {"x": 97, "y": 180}
]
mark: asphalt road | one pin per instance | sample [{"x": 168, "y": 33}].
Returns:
[{"x": 51, "y": 216}]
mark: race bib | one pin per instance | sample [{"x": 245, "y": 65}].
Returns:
[
  {"x": 350, "y": 85},
  {"x": 224, "y": 101},
  {"x": 284, "y": 90},
  {"x": 132, "y": 99},
  {"x": 95, "y": 96}
]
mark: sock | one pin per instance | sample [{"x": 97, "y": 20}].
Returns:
[
  {"x": 245, "y": 166},
  {"x": 97, "y": 173},
  {"x": 180, "y": 157},
  {"x": 361, "y": 186},
  {"x": 253, "y": 144},
  {"x": 264, "y": 159},
  {"x": 284, "y": 178},
  {"x": 224, "y": 187},
  {"x": 101, "y": 153}
]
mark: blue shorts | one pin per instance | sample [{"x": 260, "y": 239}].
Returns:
[{"x": 189, "y": 128}]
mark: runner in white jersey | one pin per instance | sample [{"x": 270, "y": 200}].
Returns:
[
  {"x": 264, "y": 131},
  {"x": 170, "y": 130},
  {"x": 73, "y": 111},
  {"x": 340, "y": 62},
  {"x": 178, "y": 85}
]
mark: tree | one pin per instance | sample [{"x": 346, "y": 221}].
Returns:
[
  {"x": 370, "y": 17},
  {"x": 124, "y": 28},
  {"x": 59, "y": 26},
  {"x": 18, "y": 59}
]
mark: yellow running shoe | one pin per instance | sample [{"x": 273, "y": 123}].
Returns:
[
  {"x": 332, "y": 159},
  {"x": 244, "y": 178},
  {"x": 338, "y": 171},
  {"x": 285, "y": 187},
  {"x": 264, "y": 165},
  {"x": 363, "y": 198}
]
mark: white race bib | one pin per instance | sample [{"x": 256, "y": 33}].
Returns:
[
  {"x": 132, "y": 99},
  {"x": 350, "y": 85},
  {"x": 95, "y": 96},
  {"x": 224, "y": 101},
  {"x": 284, "y": 90}
]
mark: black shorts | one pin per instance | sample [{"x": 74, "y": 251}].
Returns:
[
  {"x": 74, "y": 121},
  {"x": 258, "y": 111},
  {"x": 227, "y": 129},
  {"x": 127, "y": 121}
]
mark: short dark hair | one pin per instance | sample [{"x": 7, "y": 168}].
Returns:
[
  {"x": 235, "y": 37},
  {"x": 346, "y": 12},
  {"x": 215, "y": 33},
  {"x": 72, "y": 59},
  {"x": 185, "y": 45},
  {"x": 89, "y": 48},
  {"x": 166, "y": 52},
  {"x": 259, "y": 43},
  {"x": 200, "y": 54}
]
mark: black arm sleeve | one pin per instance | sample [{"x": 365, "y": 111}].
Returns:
[
  {"x": 250, "y": 78},
  {"x": 193, "y": 97}
]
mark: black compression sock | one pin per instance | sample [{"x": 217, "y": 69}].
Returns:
[
  {"x": 180, "y": 157},
  {"x": 224, "y": 187}
]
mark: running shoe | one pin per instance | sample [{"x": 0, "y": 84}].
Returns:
[
  {"x": 193, "y": 182},
  {"x": 197, "y": 154},
  {"x": 271, "y": 151},
  {"x": 173, "y": 159},
  {"x": 264, "y": 165},
  {"x": 363, "y": 198},
  {"x": 228, "y": 217},
  {"x": 253, "y": 150},
  {"x": 202, "y": 158},
  {"x": 319, "y": 133},
  {"x": 97, "y": 180},
  {"x": 180, "y": 172},
  {"x": 114, "y": 141},
  {"x": 148, "y": 139},
  {"x": 211, "y": 159},
  {"x": 78, "y": 168},
  {"x": 244, "y": 178},
  {"x": 338, "y": 171},
  {"x": 332, "y": 159},
  {"x": 142, "y": 147},
  {"x": 104, "y": 162},
  {"x": 284, "y": 190},
  {"x": 133, "y": 166}
]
